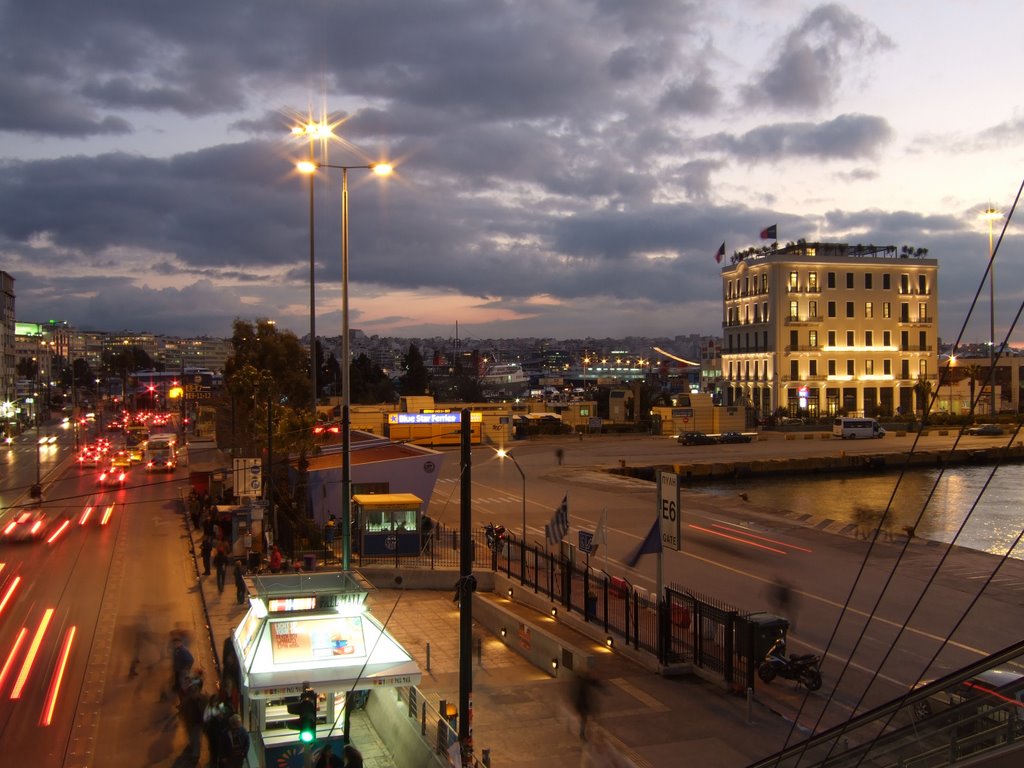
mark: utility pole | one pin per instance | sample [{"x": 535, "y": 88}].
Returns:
[{"x": 467, "y": 585}]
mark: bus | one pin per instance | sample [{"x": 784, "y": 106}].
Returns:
[
  {"x": 161, "y": 453},
  {"x": 850, "y": 429}
]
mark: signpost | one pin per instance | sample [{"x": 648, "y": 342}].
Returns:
[
  {"x": 668, "y": 509},
  {"x": 248, "y": 477}
]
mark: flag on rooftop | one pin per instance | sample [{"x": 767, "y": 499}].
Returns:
[
  {"x": 651, "y": 545},
  {"x": 559, "y": 526},
  {"x": 720, "y": 253},
  {"x": 770, "y": 233}
]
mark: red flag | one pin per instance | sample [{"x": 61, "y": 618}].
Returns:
[
  {"x": 770, "y": 233},
  {"x": 720, "y": 253}
]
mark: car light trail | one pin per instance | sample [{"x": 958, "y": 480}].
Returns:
[
  {"x": 106, "y": 514},
  {"x": 30, "y": 657},
  {"x": 13, "y": 654},
  {"x": 58, "y": 532},
  {"x": 10, "y": 527},
  {"x": 745, "y": 532},
  {"x": 739, "y": 539},
  {"x": 58, "y": 676},
  {"x": 85, "y": 516},
  {"x": 10, "y": 591}
]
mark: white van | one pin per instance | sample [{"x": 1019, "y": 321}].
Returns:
[{"x": 849, "y": 429}]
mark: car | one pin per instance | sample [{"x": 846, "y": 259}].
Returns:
[
  {"x": 135, "y": 454},
  {"x": 120, "y": 459},
  {"x": 990, "y": 690},
  {"x": 28, "y": 524},
  {"x": 734, "y": 437},
  {"x": 113, "y": 476},
  {"x": 88, "y": 458},
  {"x": 47, "y": 439},
  {"x": 696, "y": 438},
  {"x": 984, "y": 430}
]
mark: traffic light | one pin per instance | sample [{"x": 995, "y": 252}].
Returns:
[{"x": 305, "y": 708}]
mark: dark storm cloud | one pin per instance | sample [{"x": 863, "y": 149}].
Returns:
[
  {"x": 813, "y": 59},
  {"x": 30, "y": 108},
  {"x": 845, "y": 137}
]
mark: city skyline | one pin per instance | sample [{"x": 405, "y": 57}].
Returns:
[{"x": 563, "y": 170}]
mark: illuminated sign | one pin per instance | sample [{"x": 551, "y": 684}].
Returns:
[
  {"x": 285, "y": 604},
  {"x": 315, "y": 639},
  {"x": 475, "y": 417}
]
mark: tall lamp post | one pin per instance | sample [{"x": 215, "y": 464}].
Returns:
[
  {"x": 313, "y": 131},
  {"x": 503, "y": 454},
  {"x": 991, "y": 215},
  {"x": 381, "y": 169}
]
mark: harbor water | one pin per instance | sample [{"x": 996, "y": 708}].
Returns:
[{"x": 977, "y": 506}]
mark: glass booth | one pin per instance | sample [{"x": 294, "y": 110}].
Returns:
[
  {"x": 388, "y": 523},
  {"x": 311, "y": 628}
]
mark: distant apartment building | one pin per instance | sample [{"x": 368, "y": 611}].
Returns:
[
  {"x": 824, "y": 328},
  {"x": 8, "y": 357}
]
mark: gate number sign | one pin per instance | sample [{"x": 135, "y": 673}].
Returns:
[{"x": 668, "y": 509}]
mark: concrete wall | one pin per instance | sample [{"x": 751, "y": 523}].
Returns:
[
  {"x": 383, "y": 577},
  {"x": 390, "y": 718}
]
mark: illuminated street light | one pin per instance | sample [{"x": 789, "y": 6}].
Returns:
[
  {"x": 990, "y": 215},
  {"x": 381, "y": 169},
  {"x": 503, "y": 454},
  {"x": 314, "y": 132}
]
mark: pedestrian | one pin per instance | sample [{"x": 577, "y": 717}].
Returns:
[
  {"x": 234, "y": 744},
  {"x": 351, "y": 757},
  {"x": 329, "y": 529},
  {"x": 327, "y": 758},
  {"x": 215, "y": 722},
  {"x": 220, "y": 562},
  {"x": 181, "y": 665},
  {"x": 239, "y": 583},
  {"x": 193, "y": 706},
  {"x": 583, "y": 699},
  {"x": 275, "y": 559},
  {"x": 205, "y": 549},
  {"x": 559, "y": 455}
]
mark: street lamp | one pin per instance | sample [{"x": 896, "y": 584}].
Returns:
[
  {"x": 381, "y": 169},
  {"x": 313, "y": 131},
  {"x": 990, "y": 215},
  {"x": 503, "y": 454}
]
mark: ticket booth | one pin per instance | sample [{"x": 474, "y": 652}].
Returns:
[
  {"x": 315, "y": 629},
  {"x": 389, "y": 523}
]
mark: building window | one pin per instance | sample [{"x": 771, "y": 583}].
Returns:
[
  {"x": 794, "y": 340},
  {"x": 904, "y": 369},
  {"x": 831, "y": 279},
  {"x": 922, "y": 367},
  {"x": 922, "y": 312},
  {"x": 869, "y": 367},
  {"x": 886, "y": 310},
  {"x": 849, "y": 368},
  {"x": 887, "y": 367},
  {"x": 922, "y": 341},
  {"x": 904, "y": 312},
  {"x": 831, "y": 338},
  {"x": 794, "y": 369},
  {"x": 869, "y": 338},
  {"x": 886, "y": 338},
  {"x": 794, "y": 310},
  {"x": 813, "y": 368},
  {"x": 812, "y": 339},
  {"x": 849, "y": 339},
  {"x": 746, "y": 313},
  {"x": 849, "y": 279},
  {"x": 764, "y": 311},
  {"x": 904, "y": 341},
  {"x": 904, "y": 283},
  {"x": 886, "y": 281},
  {"x": 757, "y": 313},
  {"x": 831, "y": 367},
  {"x": 812, "y": 309},
  {"x": 922, "y": 284},
  {"x": 792, "y": 281},
  {"x": 869, "y": 309},
  {"x": 812, "y": 281},
  {"x": 831, "y": 309},
  {"x": 849, "y": 309},
  {"x": 867, "y": 280},
  {"x": 764, "y": 283},
  {"x": 746, "y": 285}
]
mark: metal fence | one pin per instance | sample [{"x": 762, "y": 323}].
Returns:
[
  {"x": 439, "y": 732},
  {"x": 439, "y": 549}
]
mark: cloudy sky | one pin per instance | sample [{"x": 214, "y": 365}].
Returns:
[{"x": 564, "y": 168}]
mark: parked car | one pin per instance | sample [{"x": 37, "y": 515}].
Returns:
[
  {"x": 984, "y": 430},
  {"x": 696, "y": 438},
  {"x": 734, "y": 437}
]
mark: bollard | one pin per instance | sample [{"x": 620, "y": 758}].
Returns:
[
  {"x": 428, "y": 657},
  {"x": 750, "y": 705},
  {"x": 423, "y": 719},
  {"x": 479, "y": 652}
]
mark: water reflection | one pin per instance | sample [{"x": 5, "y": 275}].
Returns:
[{"x": 993, "y": 526}]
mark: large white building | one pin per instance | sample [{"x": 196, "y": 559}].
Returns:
[{"x": 825, "y": 328}]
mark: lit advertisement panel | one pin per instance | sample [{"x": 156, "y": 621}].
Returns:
[
  {"x": 306, "y": 640},
  {"x": 455, "y": 417}
]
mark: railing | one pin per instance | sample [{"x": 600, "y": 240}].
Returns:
[{"x": 438, "y": 732}]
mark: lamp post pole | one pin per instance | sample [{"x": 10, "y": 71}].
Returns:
[
  {"x": 381, "y": 169},
  {"x": 503, "y": 454},
  {"x": 991, "y": 214}
]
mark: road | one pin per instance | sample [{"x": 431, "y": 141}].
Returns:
[
  {"x": 79, "y": 608},
  {"x": 898, "y": 612}
]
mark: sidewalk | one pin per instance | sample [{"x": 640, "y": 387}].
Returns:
[{"x": 522, "y": 714}]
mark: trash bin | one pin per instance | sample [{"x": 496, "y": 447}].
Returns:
[
  {"x": 761, "y": 629},
  {"x": 309, "y": 562}
]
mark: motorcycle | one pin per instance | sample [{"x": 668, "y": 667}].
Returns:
[
  {"x": 804, "y": 668},
  {"x": 495, "y": 536}
]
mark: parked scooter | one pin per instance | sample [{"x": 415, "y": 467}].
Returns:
[
  {"x": 804, "y": 668},
  {"x": 495, "y": 535}
]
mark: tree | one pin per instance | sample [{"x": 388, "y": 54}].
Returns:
[
  {"x": 281, "y": 354},
  {"x": 27, "y": 368},
  {"x": 923, "y": 390},
  {"x": 416, "y": 379},
  {"x": 466, "y": 384},
  {"x": 369, "y": 383}
]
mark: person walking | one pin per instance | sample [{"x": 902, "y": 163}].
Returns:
[
  {"x": 327, "y": 758},
  {"x": 276, "y": 560},
  {"x": 234, "y": 744},
  {"x": 192, "y": 709},
  {"x": 181, "y": 665},
  {"x": 216, "y": 718},
  {"x": 583, "y": 699},
  {"x": 351, "y": 757},
  {"x": 239, "y": 583},
  {"x": 220, "y": 562},
  {"x": 205, "y": 549}
]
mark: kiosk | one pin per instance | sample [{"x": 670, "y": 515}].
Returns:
[
  {"x": 389, "y": 523},
  {"x": 311, "y": 629}
]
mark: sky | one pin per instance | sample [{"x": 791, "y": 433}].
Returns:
[{"x": 563, "y": 168}]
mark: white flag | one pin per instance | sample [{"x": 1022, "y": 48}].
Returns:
[{"x": 601, "y": 533}]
